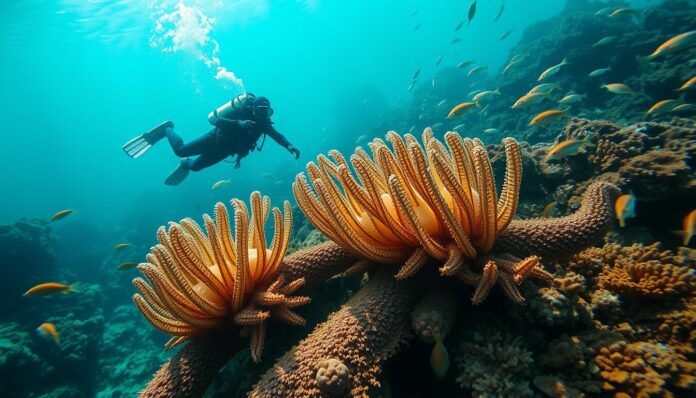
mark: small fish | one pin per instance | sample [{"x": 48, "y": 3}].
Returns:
[
  {"x": 505, "y": 35},
  {"x": 543, "y": 88},
  {"x": 48, "y": 330},
  {"x": 456, "y": 40},
  {"x": 268, "y": 176},
  {"x": 473, "y": 93},
  {"x": 571, "y": 99},
  {"x": 439, "y": 59},
  {"x": 126, "y": 266},
  {"x": 618, "y": 88},
  {"x": 689, "y": 84},
  {"x": 568, "y": 148},
  {"x": 433, "y": 82},
  {"x": 509, "y": 66},
  {"x": 472, "y": 11},
  {"x": 625, "y": 207},
  {"x": 121, "y": 246},
  {"x": 663, "y": 106},
  {"x": 518, "y": 57},
  {"x": 464, "y": 64},
  {"x": 500, "y": 12},
  {"x": 491, "y": 131},
  {"x": 61, "y": 215},
  {"x": 410, "y": 87},
  {"x": 675, "y": 44},
  {"x": 623, "y": 12},
  {"x": 46, "y": 289},
  {"x": 604, "y": 41},
  {"x": 415, "y": 28},
  {"x": 603, "y": 11},
  {"x": 689, "y": 225},
  {"x": 684, "y": 108},
  {"x": 461, "y": 109},
  {"x": 459, "y": 26},
  {"x": 486, "y": 95},
  {"x": 475, "y": 70},
  {"x": 529, "y": 99},
  {"x": 548, "y": 209},
  {"x": 439, "y": 104},
  {"x": 414, "y": 13},
  {"x": 547, "y": 116},
  {"x": 416, "y": 74},
  {"x": 459, "y": 127},
  {"x": 552, "y": 70},
  {"x": 364, "y": 103},
  {"x": 439, "y": 359},
  {"x": 599, "y": 72}
]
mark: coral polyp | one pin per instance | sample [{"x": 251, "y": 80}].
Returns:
[
  {"x": 200, "y": 282},
  {"x": 414, "y": 202}
]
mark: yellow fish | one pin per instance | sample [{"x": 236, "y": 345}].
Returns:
[
  {"x": 48, "y": 331},
  {"x": 689, "y": 224},
  {"x": 663, "y": 106},
  {"x": 567, "y": 148},
  {"x": 221, "y": 183},
  {"x": 61, "y": 214},
  {"x": 552, "y": 70},
  {"x": 604, "y": 41},
  {"x": 547, "y": 116},
  {"x": 689, "y": 84},
  {"x": 49, "y": 288},
  {"x": 461, "y": 109},
  {"x": 127, "y": 265},
  {"x": 439, "y": 359},
  {"x": 623, "y": 12},
  {"x": 618, "y": 88},
  {"x": 485, "y": 95},
  {"x": 121, "y": 246},
  {"x": 548, "y": 209},
  {"x": 543, "y": 88},
  {"x": 571, "y": 99},
  {"x": 475, "y": 70},
  {"x": 529, "y": 99},
  {"x": 675, "y": 44},
  {"x": 625, "y": 207}
]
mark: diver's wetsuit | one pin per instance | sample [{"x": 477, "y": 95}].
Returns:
[{"x": 228, "y": 138}]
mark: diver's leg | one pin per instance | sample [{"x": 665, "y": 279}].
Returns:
[
  {"x": 136, "y": 147},
  {"x": 206, "y": 159},
  {"x": 203, "y": 144}
]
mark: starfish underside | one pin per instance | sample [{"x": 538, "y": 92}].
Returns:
[
  {"x": 415, "y": 202},
  {"x": 199, "y": 282}
]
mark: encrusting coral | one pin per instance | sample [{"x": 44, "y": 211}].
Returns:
[{"x": 411, "y": 208}]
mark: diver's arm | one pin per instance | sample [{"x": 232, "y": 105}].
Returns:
[
  {"x": 221, "y": 121},
  {"x": 282, "y": 141}
]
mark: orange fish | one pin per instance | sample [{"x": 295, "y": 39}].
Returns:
[
  {"x": 461, "y": 109},
  {"x": 663, "y": 106},
  {"x": 625, "y": 207},
  {"x": 529, "y": 99},
  {"x": 547, "y": 116},
  {"x": 48, "y": 331},
  {"x": 61, "y": 214},
  {"x": 689, "y": 223},
  {"x": 568, "y": 148},
  {"x": 675, "y": 44},
  {"x": 49, "y": 288},
  {"x": 689, "y": 84},
  {"x": 548, "y": 209}
]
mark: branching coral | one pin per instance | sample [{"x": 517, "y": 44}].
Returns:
[
  {"x": 414, "y": 202},
  {"x": 646, "y": 272},
  {"x": 199, "y": 282}
]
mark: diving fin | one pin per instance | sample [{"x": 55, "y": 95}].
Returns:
[
  {"x": 180, "y": 173},
  {"x": 136, "y": 147}
]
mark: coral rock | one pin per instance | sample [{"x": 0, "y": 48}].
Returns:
[{"x": 333, "y": 377}]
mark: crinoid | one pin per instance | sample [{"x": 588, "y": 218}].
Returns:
[
  {"x": 414, "y": 202},
  {"x": 200, "y": 282}
]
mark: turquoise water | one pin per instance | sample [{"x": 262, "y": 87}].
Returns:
[{"x": 80, "y": 78}]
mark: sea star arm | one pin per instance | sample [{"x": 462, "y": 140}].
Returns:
[{"x": 555, "y": 237}]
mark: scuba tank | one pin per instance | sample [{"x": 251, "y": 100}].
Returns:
[{"x": 245, "y": 100}]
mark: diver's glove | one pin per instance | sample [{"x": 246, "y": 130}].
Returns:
[{"x": 294, "y": 151}]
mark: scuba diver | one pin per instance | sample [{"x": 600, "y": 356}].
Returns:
[{"x": 238, "y": 123}]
